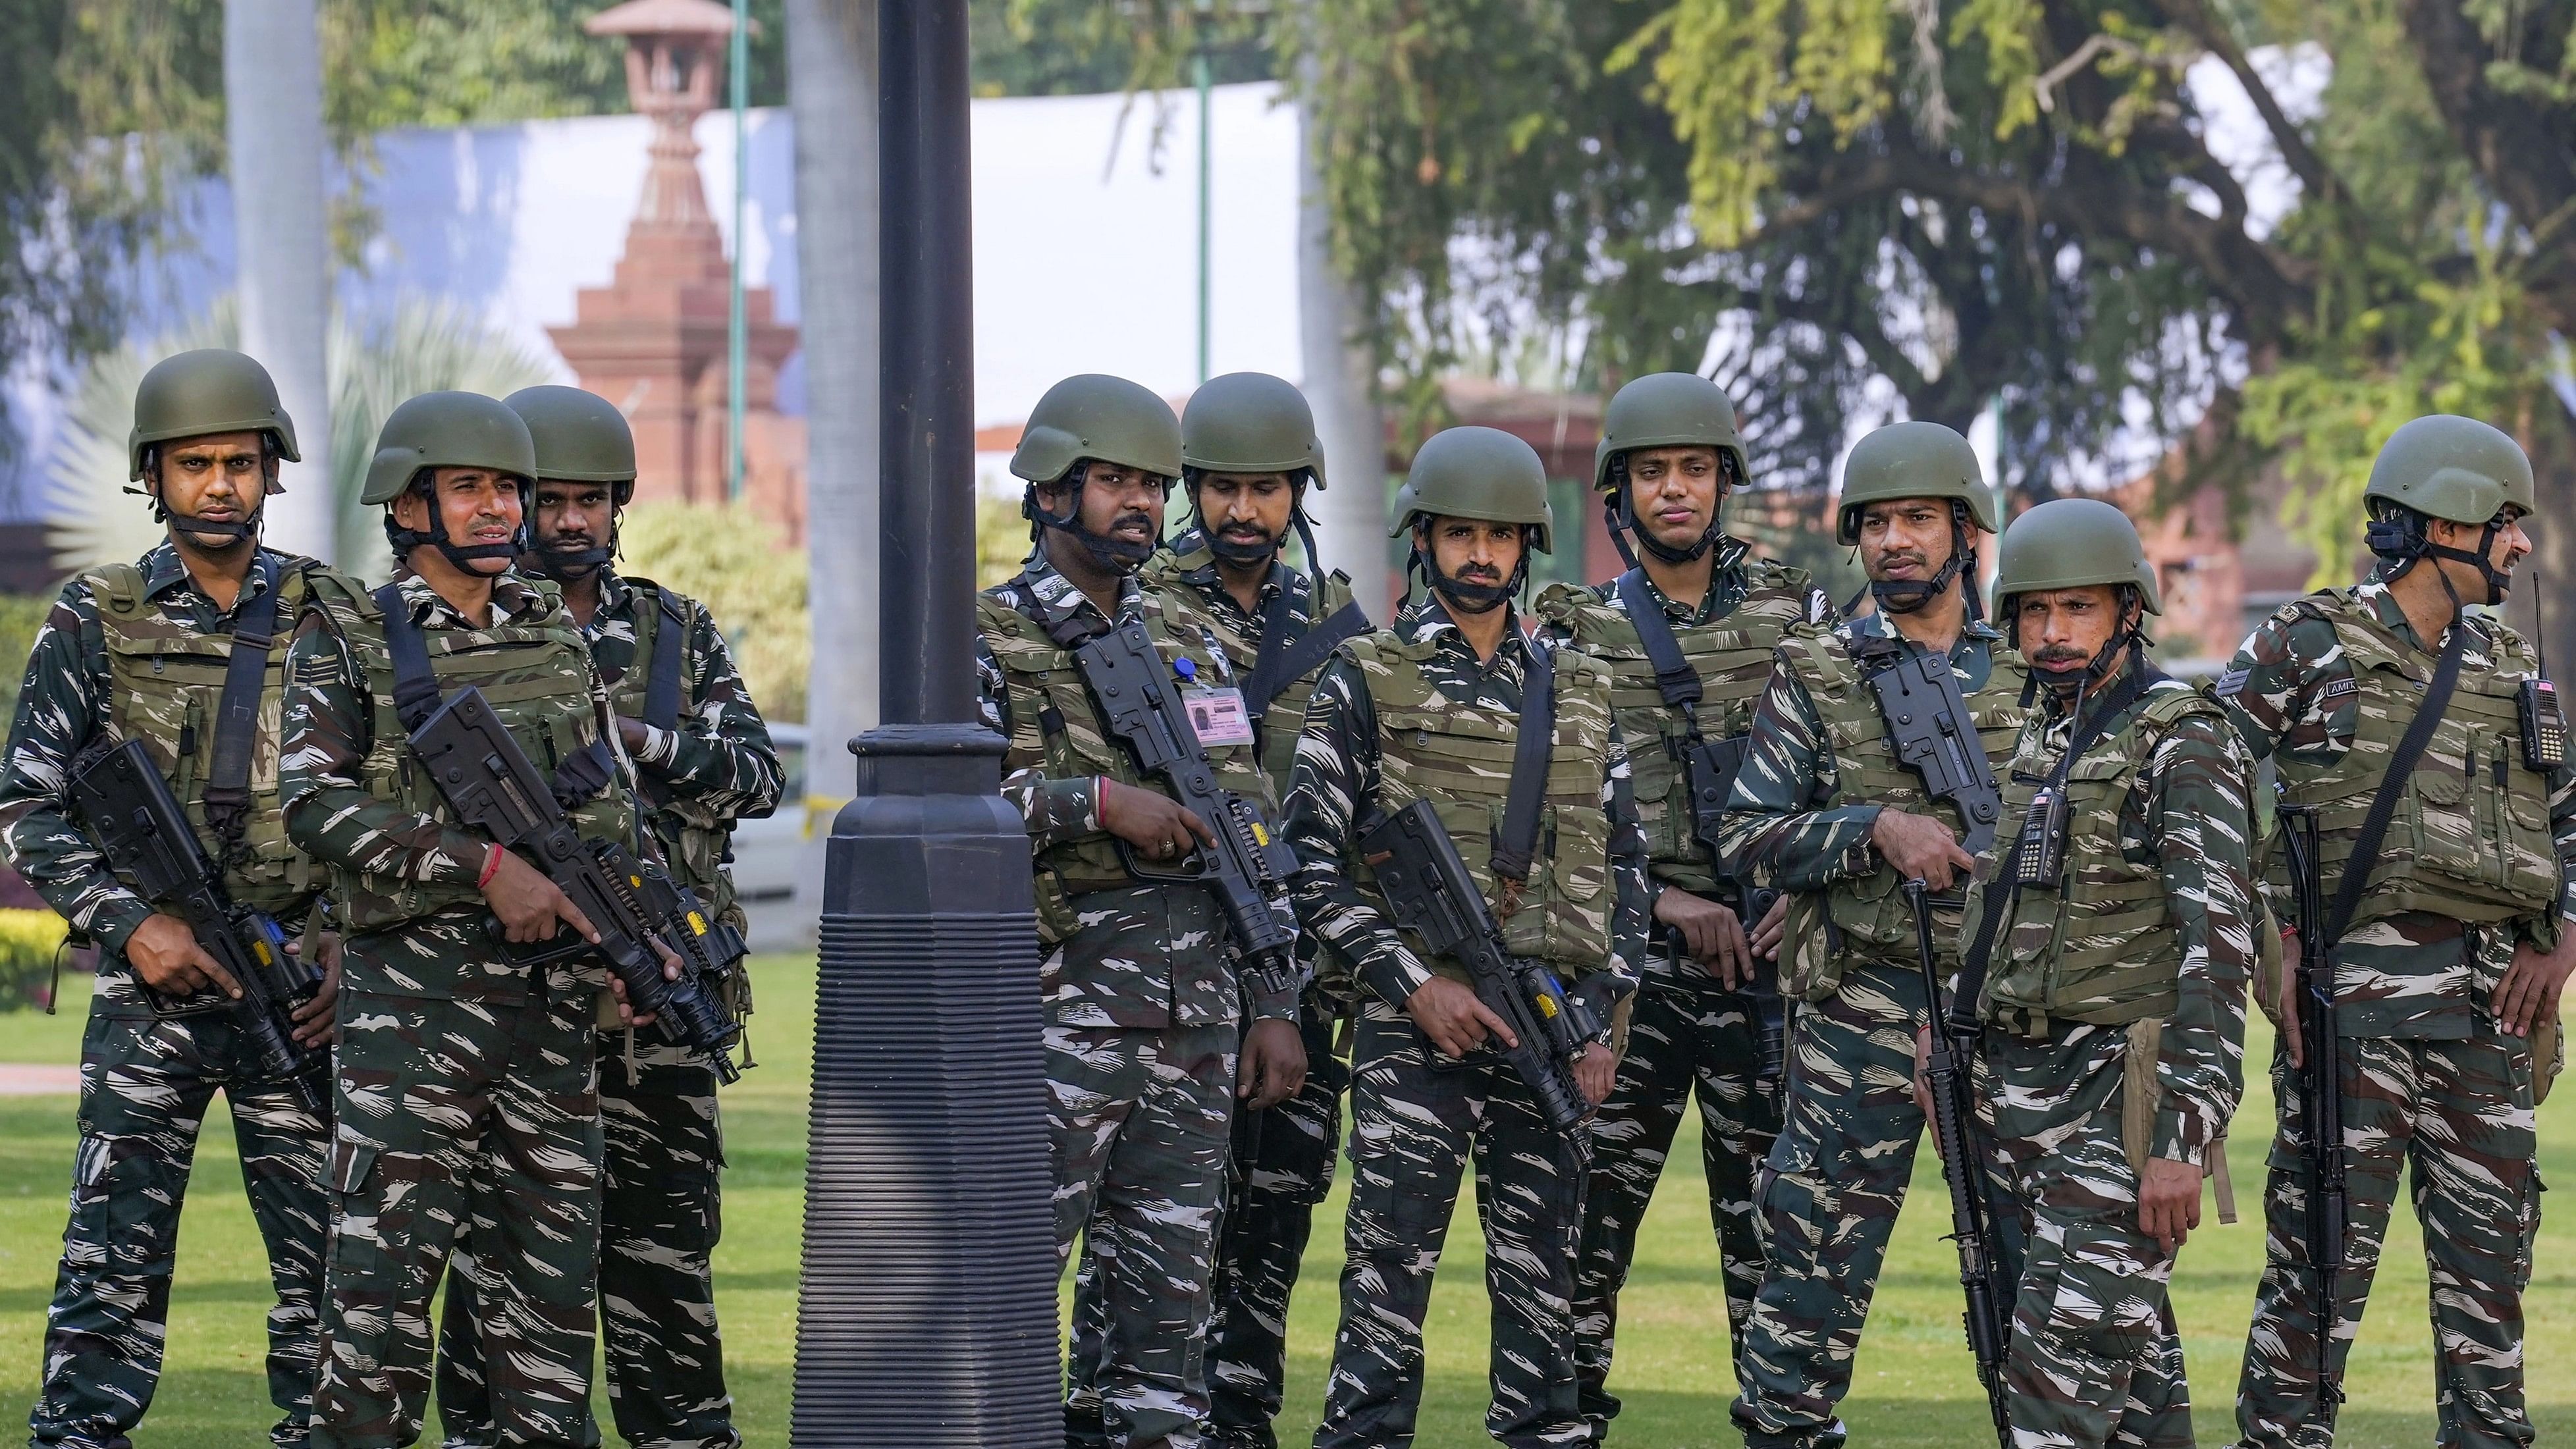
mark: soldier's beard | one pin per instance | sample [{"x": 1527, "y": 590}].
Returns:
[
  {"x": 566, "y": 564},
  {"x": 1240, "y": 552}
]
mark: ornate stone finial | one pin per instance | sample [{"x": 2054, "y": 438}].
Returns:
[{"x": 675, "y": 55}]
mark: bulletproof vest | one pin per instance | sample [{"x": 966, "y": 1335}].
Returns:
[
  {"x": 1867, "y": 918},
  {"x": 1055, "y": 728},
  {"x": 1733, "y": 656},
  {"x": 1460, "y": 759},
  {"x": 1284, "y": 714},
  {"x": 2101, "y": 947},
  {"x": 536, "y": 676},
  {"x": 165, "y": 688},
  {"x": 654, "y": 689},
  {"x": 2470, "y": 837}
]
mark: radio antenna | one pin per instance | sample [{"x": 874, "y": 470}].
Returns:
[{"x": 2539, "y": 624}]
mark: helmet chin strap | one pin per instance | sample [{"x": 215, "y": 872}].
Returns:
[
  {"x": 463, "y": 555},
  {"x": 1905, "y": 596},
  {"x": 1459, "y": 594},
  {"x": 1619, "y": 514},
  {"x": 2403, "y": 539},
  {"x": 1116, "y": 555}
]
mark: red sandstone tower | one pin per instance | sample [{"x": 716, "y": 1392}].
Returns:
[{"x": 653, "y": 340}]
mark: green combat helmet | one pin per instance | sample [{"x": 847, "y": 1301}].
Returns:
[
  {"x": 1665, "y": 410},
  {"x": 2451, "y": 468},
  {"x": 1481, "y": 473},
  {"x": 1251, "y": 422},
  {"x": 1092, "y": 417},
  {"x": 199, "y": 394},
  {"x": 2068, "y": 543},
  {"x": 581, "y": 437},
  {"x": 449, "y": 430},
  {"x": 1918, "y": 460}
]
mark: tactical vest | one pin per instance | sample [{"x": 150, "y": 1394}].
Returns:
[
  {"x": 1460, "y": 759},
  {"x": 1055, "y": 729},
  {"x": 1867, "y": 918},
  {"x": 165, "y": 688},
  {"x": 693, "y": 838},
  {"x": 2470, "y": 838},
  {"x": 536, "y": 675},
  {"x": 2101, "y": 948},
  {"x": 1733, "y": 656},
  {"x": 1285, "y": 716}
]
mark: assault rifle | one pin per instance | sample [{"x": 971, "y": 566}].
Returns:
[
  {"x": 1710, "y": 771},
  {"x": 2319, "y": 1078},
  {"x": 1954, "y": 1129},
  {"x": 1247, "y": 870},
  {"x": 144, "y": 833},
  {"x": 494, "y": 788},
  {"x": 1429, "y": 889},
  {"x": 1930, "y": 729}
]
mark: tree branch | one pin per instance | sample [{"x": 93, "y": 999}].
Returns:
[
  {"x": 2304, "y": 162},
  {"x": 2520, "y": 147}
]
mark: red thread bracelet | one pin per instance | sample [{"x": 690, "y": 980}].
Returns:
[{"x": 491, "y": 867}]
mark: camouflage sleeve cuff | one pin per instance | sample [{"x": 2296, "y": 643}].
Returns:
[
  {"x": 115, "y": 919},
  {"x": 2183, "y": 1129},
  {"x": 1061, "y": 811},
  {"x": 1274, "y": 1005},
  {"x": 1393, "y": 972}
]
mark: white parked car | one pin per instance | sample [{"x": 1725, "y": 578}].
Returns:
[{"x": 767, "y": 855}]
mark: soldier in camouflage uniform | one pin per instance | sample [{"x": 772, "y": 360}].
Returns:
[
  {"x": 467, "y": 1103},
  {"x": 1669, "y": 455},
  {"x": 1824, "y": 810},
  {"x": 1248, "y": 454},
  {"x": 139, "y": 652},
  {"x": 1430, "y": 709},
  {"x": 2114, "y": 977},
  {"x": 1142, "y": 1000},
  {"x": 2457, "y": 951},
  {"x": 704, "y": 759}
]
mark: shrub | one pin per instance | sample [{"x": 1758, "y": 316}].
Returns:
[
  {"x": 28, "y": 942},
  {"x": 733, "y": 561}
]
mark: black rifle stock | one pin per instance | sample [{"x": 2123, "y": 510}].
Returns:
[
  {"x": 1954, "y": 1128},
  {"x": 144, "y": 833},
  {"x": 495, "y": 789},
  {"x": 1710, "y": 771},
  {"x": 1247, "y": 870},
  {"x": 1427, "y": 886},
  {"x": 2319, "y": 1078}
]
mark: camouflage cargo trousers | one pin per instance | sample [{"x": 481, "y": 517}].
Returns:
[
  {"x": 470, "y": 1120},
  {"x": 660, "y": 1217},
  {"x": 1414, "y": 1128},
  {"x": 1137, "y": 1117},
  {"x": 1685, "y": 1033},
  {"x": 145, "y": 1085},
  {"x": 1270, "y": 1201},
  {"x": 1829, "y": 1196},
  {"x": 2459, "y": 1115},
  {"x": 2095, "y": 1359}
]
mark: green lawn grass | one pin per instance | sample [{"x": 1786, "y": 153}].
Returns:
[{"x": 1913, "y": 1388}]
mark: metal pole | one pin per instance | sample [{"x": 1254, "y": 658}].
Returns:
[
  {"x": 737, "y": 326},
  {"x": 926, "y": 1309},
  {"x": 1207, "y": 228}
]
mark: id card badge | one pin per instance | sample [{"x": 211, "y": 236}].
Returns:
[{"x": 1218, "y": 716}]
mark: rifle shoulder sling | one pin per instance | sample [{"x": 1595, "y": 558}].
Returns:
[
  {"x": 2393, "y": 785},
  {"x": 662, "y": 683},
  {"x": 227, "y": 795},
  {"x": 416, "y": 691},
  {"x": 1675, "y": 679},
  {"x": 1516, "y": 843},
  {"x": 1282, "y": 664}
]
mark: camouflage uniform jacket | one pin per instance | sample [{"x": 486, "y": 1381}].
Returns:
[
  {"x": 1729, "y": 639},
  {"x": 2294, "y": 696},
  {"x": 1340, "y": 761},
  {"x": 399, "y": 853},
  {"x": 63, "y": 706},
  {"x": 716, "y": 765},
  {"x": 2156, "y": 915},
  {"x": 1120, "y": 953}
]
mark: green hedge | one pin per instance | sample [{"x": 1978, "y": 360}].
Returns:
[{"x": 28, "y": 941}]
